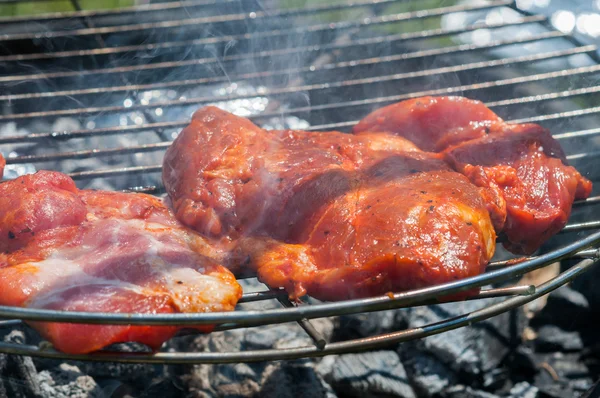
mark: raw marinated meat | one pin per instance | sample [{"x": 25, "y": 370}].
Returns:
[
  {"x": 2, "y": 165},
  {"x": 331, "y": 215},
  {"x": 534, "y": 187},
  {"x": 72, "y": 250}
]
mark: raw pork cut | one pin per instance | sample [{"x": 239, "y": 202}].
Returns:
[{"x": 72, "y": 250}]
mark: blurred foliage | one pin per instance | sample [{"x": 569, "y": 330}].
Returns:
[
  {"x": 390, "y": 28},
  {"x": 31, "y": 8}
]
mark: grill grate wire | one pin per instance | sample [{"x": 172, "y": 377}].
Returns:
[{"x": 88, "y": 37}]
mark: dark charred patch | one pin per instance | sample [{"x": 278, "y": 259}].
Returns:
[
  {"x": 368, "y": 207},
  {"x": 469, "y": 223},
  {"x": 431, "y": 208},
  {"x": 413, "y": 171},
  {"x": 11, "y": 235},
  {"x": 430, "y": 201},
  {"x": 423, "y": 192},
  {"x": 325, "y": 233},
  {"x": 180, "y": 282}
]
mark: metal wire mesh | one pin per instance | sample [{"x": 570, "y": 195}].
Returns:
[{"x": 96, "y": 67}]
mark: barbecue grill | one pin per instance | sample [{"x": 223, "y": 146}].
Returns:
[{"x": 100, "y": 95}]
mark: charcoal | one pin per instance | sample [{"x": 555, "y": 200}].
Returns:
[
  {"x": 68, "y": 381},
  {"x": 369, "y": 374},
  {"x": 473, "y": 350},
  {"x": 426, "y": 373},
  {"x": 18, "y": 375},
  {"x": 593, "y": 391},
  {"x": 293, "y": 380},
  {"x": 370, "y": 324},
  {"x": 136, "y": 374},
  {"x": 553, "y": 338},
  {"x": 233, "y": 380},
  {"x": 586, "y": 285},
  {"x": 522, "y": 363},
  {"x": 523, "y": 390},
  {"x": 461, "y": 391},
  {"x": 567, "y": 366},
  {"x": 566, "y": 308},
  {"x": 162, "y": 387}
]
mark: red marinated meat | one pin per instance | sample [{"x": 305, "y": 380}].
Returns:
[
  {"x": 524, "y": 167},
  {"x": 2, "y": 164},
  {"x": 107, "y": 252},
  {"x": 533, "y": 186},
  {"x": 418, "y": 230},
  {"x": 35, "y": 203},
  {"x": 432, "y": 123},
  {"x": 329, "y": 214},
  {"x": 227, "y": 177}
]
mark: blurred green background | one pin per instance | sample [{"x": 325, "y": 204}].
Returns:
[{"x": 32, "y": 8}]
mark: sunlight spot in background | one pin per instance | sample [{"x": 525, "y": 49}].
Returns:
[
  {"x": 494, "y": 17},
  {"x": 541, "y": 3},
  {"x": 563, "y": 21},
  {"x": 589, "y": 24},
  {"x": 481, "y": 37},
  {"x": 525, "y": 4}
]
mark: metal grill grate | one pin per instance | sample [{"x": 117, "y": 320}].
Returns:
[{"x": 100, "y": 94}]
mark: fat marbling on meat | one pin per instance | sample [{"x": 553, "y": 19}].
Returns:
[{"x": 73, "y": 250}]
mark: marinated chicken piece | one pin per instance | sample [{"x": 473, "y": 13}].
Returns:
[
  {"x": 103, "y": 252},
  {"x": 331, "y": 215},
  {"x": 533, "y": 186}
]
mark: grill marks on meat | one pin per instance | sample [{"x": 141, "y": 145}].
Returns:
[
  {"x": 532, "y": 185},
  {"x": 106, "y": 252},
  {"x": 329, "y": 214}
]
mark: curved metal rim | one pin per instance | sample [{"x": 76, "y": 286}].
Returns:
[
  {"x": 362, "y": 344},
  {"x": 273, "y": 316}
]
